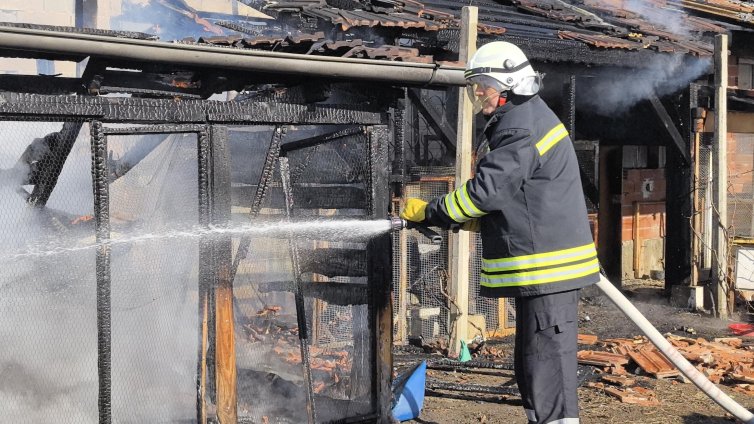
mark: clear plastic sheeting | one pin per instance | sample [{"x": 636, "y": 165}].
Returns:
[{"x": 153, "y": 194}]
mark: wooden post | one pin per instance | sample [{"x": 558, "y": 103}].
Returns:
[
  {"x": 637, "y": 241},
  {"x": 721, "y": 175},
  {"x": 225, "y": 342},
  {"x": 402, "y": 334},
  {"x": 459, "y": 242}
]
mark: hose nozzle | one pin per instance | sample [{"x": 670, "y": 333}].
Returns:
[{"x": 397, "y": 224}]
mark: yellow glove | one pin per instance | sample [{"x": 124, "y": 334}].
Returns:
[
  {"x": 414, "y": 210},
  {"x": 472, "y": 226}
]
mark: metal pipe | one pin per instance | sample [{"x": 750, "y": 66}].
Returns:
[{"x": 130, "y": 50}]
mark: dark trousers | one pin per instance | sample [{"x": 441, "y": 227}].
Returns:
[{"x": 545, "y": 356}]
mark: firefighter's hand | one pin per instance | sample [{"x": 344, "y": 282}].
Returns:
[
  {"x": 414, "y": 210},
  {"x": 471, "y": 226}
]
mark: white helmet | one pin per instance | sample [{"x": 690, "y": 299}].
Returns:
[{"x": 504, "y": 65}]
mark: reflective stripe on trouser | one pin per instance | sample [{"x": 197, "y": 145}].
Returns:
[
  {"x": 545, "y": 356},
  {"x": 540, "y": 268},
  {"x": 531, "y": 416}
]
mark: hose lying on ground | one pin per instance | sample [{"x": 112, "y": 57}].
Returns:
[{"x": 709, "y": 388}]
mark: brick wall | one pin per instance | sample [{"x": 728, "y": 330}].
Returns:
[
  {"x": 741, "y": 184},
  {"x": 645, "y": 189},
  {"x": 643, "y": 186}
]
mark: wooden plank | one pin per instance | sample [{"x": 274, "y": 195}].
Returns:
[
  {"x": 601, "y": 359},
  {"x": 720, "y": 168},
  {"x": 635, "y": 395},
  {"x": 460, "y": 242},
  {"x": 618, "y": 380},
  {"x": 225, "y": 343},
  {"x": 402, "y": 333},
  {"x": 587, "y": 339},
  {"x": 380, "y": 274}
]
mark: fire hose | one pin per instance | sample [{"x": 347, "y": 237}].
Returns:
[{"x": 662, "y": 344}]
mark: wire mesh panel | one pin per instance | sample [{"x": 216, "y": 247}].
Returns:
[
  {"x": 704, "y": 204},
  {"x": 427, "y": 269},
  {"x": 154, "y": 267},
  {"x": 421, "y": 305},
  {"x": 48, "y": 367},
  {"x": 488, "y": 316},
  {"x": 328, "y": 171}
]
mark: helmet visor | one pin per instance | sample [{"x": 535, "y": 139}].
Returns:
[{"x": 481, "y": 89}]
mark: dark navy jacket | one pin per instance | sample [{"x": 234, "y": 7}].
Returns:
[{"x": 527, "y": 194}]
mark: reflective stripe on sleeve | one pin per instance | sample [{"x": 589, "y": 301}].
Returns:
[
  {"x": 551, "y": 138},
  {"x": 460, "y": 207}
]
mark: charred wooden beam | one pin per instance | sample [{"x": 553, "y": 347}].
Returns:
[
  {"x": 678, "y": 142},
  {"x": 342, "y": 294},
  {"x": 472, "y": 388},
  {"x": 206, "y": 330},
  {"x": 40, "y": 84},
  {"x": 144, "y": 83},
  {"x": 135, "y": 110},
  {"x": 265, "y": 178},
  {"x": 434, "y": 118},
  {"x": 320, "y": 139},
  {"x": 102, "y": 225},
  {"x": 380, "y": 274},
  {"x": 49, "y": 167},
  {"x": 335, "y": 262}
]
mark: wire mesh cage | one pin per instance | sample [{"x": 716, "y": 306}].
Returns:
[
  {"x": 327, "y": 181},
  {"x": 421, "y": 296},
  {"x": 139, "y": 284}
]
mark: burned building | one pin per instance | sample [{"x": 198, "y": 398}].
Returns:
[{"x": 136, "y": 151}]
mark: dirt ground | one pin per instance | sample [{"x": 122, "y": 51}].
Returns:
[{"x": 679, "y": 402}]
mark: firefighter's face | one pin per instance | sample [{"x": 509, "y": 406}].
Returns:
[
  {"x": 489, "y": 97},
  {"x": 484, "y": 93}
]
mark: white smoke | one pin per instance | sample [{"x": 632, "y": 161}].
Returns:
[
  {"x": 48, "y": 315},
  {"x": 614, "y": 92},
  {"x": 666, "y": 19}
]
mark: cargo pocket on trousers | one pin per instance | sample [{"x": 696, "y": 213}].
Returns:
[{"x": 554, "y": 328}]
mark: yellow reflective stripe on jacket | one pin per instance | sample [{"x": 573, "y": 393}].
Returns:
[
  {"x": 460, "y": 207},
  {"x": 552, "y": 275},
  {"x": 538, "y": 260},
  {"x": 466, "y": 204},
  {"x": 453, "y": 210},
  {"x": 551, "y": 138}
]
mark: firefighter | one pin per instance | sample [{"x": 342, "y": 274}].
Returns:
[{"x": 527, "y": 200}]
